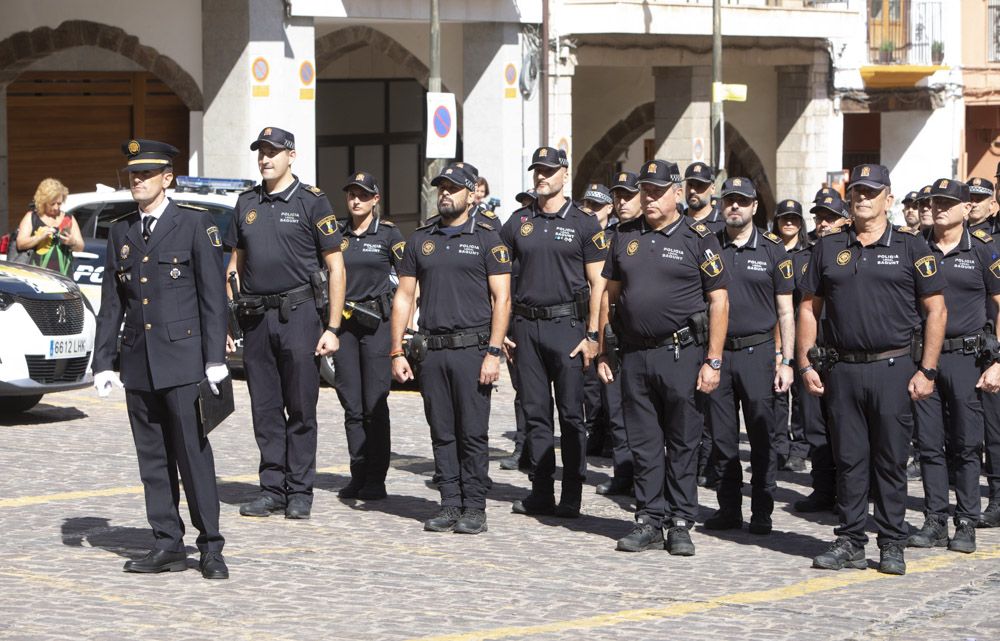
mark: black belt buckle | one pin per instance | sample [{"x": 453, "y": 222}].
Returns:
[
  {"x": 683, "y": 337},
  {"x": 970, "y": 345}
]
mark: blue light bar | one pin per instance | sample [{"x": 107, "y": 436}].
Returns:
[{"x": 208, "y": 185}]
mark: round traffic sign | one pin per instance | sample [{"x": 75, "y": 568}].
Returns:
[
  {"x": 306, "y": 73},
  {"x": 510, "y": 74},
  {"x": 442, "y": 121},
  {"x": 260, "y": 69}
]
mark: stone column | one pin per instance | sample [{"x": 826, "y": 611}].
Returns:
[
  {"x": 683, "y": 113},
  {"x": 253, "y": 59},
  {"x": 809, "y": 131}
]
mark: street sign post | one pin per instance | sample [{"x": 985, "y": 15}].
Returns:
[{"x": 441, "y": 136}]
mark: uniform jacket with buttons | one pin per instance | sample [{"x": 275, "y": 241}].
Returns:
[{"x": 170, "y": 293}]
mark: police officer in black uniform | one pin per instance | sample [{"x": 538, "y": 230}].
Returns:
[
  {"x": 463, "y": 269},
  {"x": 284, "y": 235},
  {"x": 984, "y": 205},
  {"x": 924, "y": 207},
  {"x": 372, "y": 247},
  {"x": 163, "y": 272},
  {"x": 662, "y": 272},
  {"x": 760, "y": 298},
  {"x": 559, "y": 250},
  {"x": 871, "y": 279},
  {"x": 911, "y": 212},
  {"x": 953, "y": 412},
  {"x": 699, "y": 191},
  {"x": 983, "y": 217}
]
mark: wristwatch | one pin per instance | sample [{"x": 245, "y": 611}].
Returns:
[
  {"x": 493, "y": 350},
  {"x": 928, "y": 372},
  {"x": 592, "y": 337},
  {"x": 714, "y": 363},
  {"x": 786, "y": 361}
]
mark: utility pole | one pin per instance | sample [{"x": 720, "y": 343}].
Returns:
[
  {"x": 432, "y": 167},
  {"x": 716, "y": 139},
  {"x": 544, "y": 76}
]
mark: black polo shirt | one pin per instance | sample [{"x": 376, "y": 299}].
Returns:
[
  {"x": 871, "y": 294},
  {"x": 283, "y": 237},
  {"x": 760, "y": 270},
  {"x": 972, "y": 269},
  {"x": 714, "y": 220},
  {"x": 453, "y": 271},
  {"x": 664, "y": 275},
  {"x": 369, "y": 258},
  {"x": 800, "y": 261},
  {"x": 552, "y": 251}
]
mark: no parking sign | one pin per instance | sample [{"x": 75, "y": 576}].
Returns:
[{"x": 441, "y": 125}]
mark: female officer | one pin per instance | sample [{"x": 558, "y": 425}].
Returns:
[{"x": 372, "y": 247}]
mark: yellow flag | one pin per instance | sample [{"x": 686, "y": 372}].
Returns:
[{"x": 732, "y": 93}]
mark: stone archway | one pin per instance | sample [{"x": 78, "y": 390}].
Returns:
[{"x": 25, "y": 47}]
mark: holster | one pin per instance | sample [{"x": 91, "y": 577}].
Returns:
[
  {"x": 416, "y": 348},
  {"x": 917, "y": 344},
  {"x": 319, "y": 281},
  {"x": 989, "y": 348},
  {"x": 822, "y": 358},
  {"x": 612, "y": 349},
  {"x": 698, "y": 324},
  {"x": 581, "y": 305},
  {"x": 367, "y": 315}
]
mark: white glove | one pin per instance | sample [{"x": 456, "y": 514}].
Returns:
[
  {"x": 105, "y": 381},
  {"x": 215, "y": 375}
]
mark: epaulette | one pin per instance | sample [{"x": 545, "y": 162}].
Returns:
[
  {"x": 771, "y": 237},
  {"x": 315, "y": 191},
  {"x": 629, "y": 225},
  {"x": 612, "y": 226},
  {"x": 488, "y": 214},
  {"x": 425, "y": 225},
  {"x": 838, "y": 230},
  {"x": 485, "y": 226},
  {"x": 122, "y": 217},
  {"x": 982, "y": 235},
  {"x": 913, "y": 231},
  {"x": 250, "y": 190},
  {"x": 387, "y": 223},
  {"x": 190, "y": 206},
  {"x": 700, "y": 229}
]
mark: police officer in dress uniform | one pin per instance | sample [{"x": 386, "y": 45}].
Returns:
[
  {"x": 661, "y": 273},
  {"x": 760, "y": 298},
  {"x": 559, "y": 250},
  {"x": 372, "y": 247},
  {"x": 953, "y": 412},
  {"x": 699, "y": 191},
  {"x": 984, "y": 205},
  {"x": 871, "y": 279},
  {"x": 284, "y": 235},
  {"x": 163, "y": 278},
  {"x": 463, "y": 269}
]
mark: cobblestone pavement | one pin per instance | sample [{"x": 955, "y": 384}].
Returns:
[{"x": 71, "y": 512}]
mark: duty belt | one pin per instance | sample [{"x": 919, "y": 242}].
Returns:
[
  {"x": 545, "y": 313},
  {"x": 678, "y": 340},
  {"x": 965, "y": 344},
  {"x": 476, "y": 336},
  {"x": 844, "y": 356},
  {"x": 283, "y": 302},
  {"x": 736, "y": 343}
]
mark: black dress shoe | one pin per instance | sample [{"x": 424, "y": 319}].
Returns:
[
  {"x": 299, "y": 507},
  {"x": 158, "y": 561},
  {"x": 614, "y": 487},
  {"x": 213, "y": 566},
  {"x": 263, "y": 505},
  {"x": 350, "y": 491},
  {"x": 533, "y": 505},
  {"x": 372, "y": 492}
]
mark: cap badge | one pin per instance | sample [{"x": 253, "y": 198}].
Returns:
[
  {"x": 359, "y": 177},
  {"x": 943, "y": 184},
  {"x": 447, "y": 171},
  {"x": 622, "y": 178},
  {"x": 828, "y": 199},
  {"x": 267, "y": 131},
  {"x": 133, "y": 147},
  {"x": 977, "y": 181},
  {"x": 789, "y": 204},
  {"x": 543, "y": 152},
  {"x": 697, "y": 168},
  {"x": 593, "y": 187},
  {"x": 651, "y": 168},
  {"x": 737, "y": 182},
  {"x": 866, "y": 171}
]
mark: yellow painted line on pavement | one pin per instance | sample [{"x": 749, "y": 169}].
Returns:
[
  {"x": 825, "y": 583},
  {"x": 25, "y": 501}
]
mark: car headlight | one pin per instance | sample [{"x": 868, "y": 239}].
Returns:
[{"x": 6, "y": 300}]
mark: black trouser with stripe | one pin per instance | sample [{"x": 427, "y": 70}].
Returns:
[{"x": 363, "y": 378}]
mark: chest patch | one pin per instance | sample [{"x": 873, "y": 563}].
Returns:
[
  {"x": 844, "y": 257},
  {"x": 527, "y": 228},
  {"x": 632, "y": 248},
  {"x": 427, "y": 248},
  {"x": 344, "y": 244},
  {"x": 124, "y": 252},
  {"x": 251, "y": 216}
]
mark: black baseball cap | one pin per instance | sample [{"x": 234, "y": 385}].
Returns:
[
  {"x": 789, "y": 207},
  {"x": 277, "y": 137},
  {"x": 823, "y": 193},
  {"x": 457, "y": 174},
  {"x": 529, "y": 194},
  {"x": 548, "y": 157},
  {"x": 661, "y": 173},
  {"x": 739, "y": 185},
  {"x": 699, "y": 172},
  {"x": 468, "y": 167},
  {"x": 947, "y": 188},
  {"x": 598, "y": 193},
  {"x": 874, "y": 176},
  {"x": 924, "y": 193},
  {"x": 626, "y": 181},
  {"x": 144, "y": 155},
  {"x": 364, "y": 180},
  {"x": 831, "y": 203},
  {"x": 980, "y": 186},
  {"x": 911, "y": 197}
]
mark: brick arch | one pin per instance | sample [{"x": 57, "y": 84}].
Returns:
[{"x": 25, "y": 47}]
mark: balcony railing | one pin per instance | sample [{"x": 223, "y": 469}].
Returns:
[{"x": 905, "y": 32}]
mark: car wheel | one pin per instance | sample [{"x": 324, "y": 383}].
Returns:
[
  {"x": 327, "y": 370},
  {"x": 16, "y": 404}
]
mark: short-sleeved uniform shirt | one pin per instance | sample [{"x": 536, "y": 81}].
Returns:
[
  {"x": 871, "y": 294},
  {"x": 452, "y": 267},
  {"x": 283, "y": 237},
  {"x": 664, "y": 274},
  {"x": 972, "y": 269},
  {"x": 552, "y": 251},
  {"x": 760, "y": 270},
  {"x": 800, "y": 261},
  {"x": 369, "y": 258}
]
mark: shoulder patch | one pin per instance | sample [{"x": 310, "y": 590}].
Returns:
[
  {"x": 315, "y": 191},
  {"x": 328, "y": 225},
  {"x": 485, "y": 226},
  {"x": 913, "y": 231},
  {"x": 700, "y": 229},
  {"x": 982, "y": 235},
  {"x": 190, "y": 206},
  {"x": 213, "y": 236},
  {"x": 771, "y": 237},
  {"x": 600, "y": 240}
]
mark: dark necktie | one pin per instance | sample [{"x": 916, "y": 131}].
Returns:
[{"x": 147, "y": 227}]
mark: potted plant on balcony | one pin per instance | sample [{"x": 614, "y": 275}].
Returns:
[
  {"x": 937, "y": 52},
  {"x": 886, "y": 51}
]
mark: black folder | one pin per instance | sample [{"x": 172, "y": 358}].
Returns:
[{"x": 212, "y": 408}]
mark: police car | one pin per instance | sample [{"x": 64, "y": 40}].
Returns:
[{"x": 49, "y": 329}]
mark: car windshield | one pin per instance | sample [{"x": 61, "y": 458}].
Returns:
[{"x": 95, "y": 219}]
